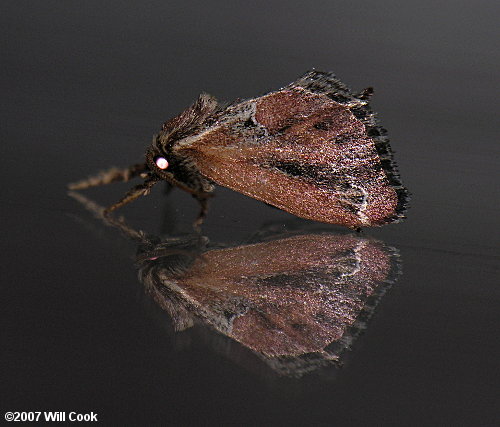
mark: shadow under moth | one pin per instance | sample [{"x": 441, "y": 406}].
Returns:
[{"x": 312, "y": 148}]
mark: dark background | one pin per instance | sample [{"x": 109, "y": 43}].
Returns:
[{"x": 85, "y": 85}]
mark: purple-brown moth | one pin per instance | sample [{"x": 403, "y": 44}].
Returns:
[{"x": 312, "y": 148}]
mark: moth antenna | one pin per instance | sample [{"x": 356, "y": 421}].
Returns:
[
  {"x": 98, "y": 212},
  {"x": 109, "y": 176},
  {"x": 137, "y": 191}
]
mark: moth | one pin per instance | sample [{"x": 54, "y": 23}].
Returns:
[
  {"x": 312, "y": 148},
  {"x": 296, "y": 300}
]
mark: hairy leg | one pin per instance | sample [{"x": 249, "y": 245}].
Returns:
[
  {"x": 139, "y": 190},
  {"x": 203, "y": 200}
]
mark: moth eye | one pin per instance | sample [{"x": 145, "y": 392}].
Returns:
[{"x": 161, "y": 162}]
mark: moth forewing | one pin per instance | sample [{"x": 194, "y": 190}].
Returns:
[{"x": 302, "y": 149}]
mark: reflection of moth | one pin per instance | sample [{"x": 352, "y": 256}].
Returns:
[
  {"x": 313, "y": 149},
  {"x": 284, "y": 299},
  {"x": 296, "y": 301}
]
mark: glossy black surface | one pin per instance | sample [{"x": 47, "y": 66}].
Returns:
[{"x": 86, "y": 84}]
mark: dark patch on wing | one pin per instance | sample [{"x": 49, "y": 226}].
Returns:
[
  {"x": 357, "y": 200},
  {"x": 287, "y": 124},
  {"x": 318, "y": 175},
  {"x": 346, "y": 139},
  {"x": 302, "y": 327},
  {"x": 325, "y": 125},
  {"x": 349, "y": 206},
  {"x": 249, "y": 123},
  {"x": 295, "y": 280}
]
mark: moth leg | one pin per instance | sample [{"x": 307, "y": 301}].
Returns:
[
  {"x": 109, "y": 176},
  {"x": 137, "y": 191},
  {"x": 203, "y": 200}
]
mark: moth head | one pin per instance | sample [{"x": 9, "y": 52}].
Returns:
[
  {"x": 165, "y": 162},
  {"x": 158, "y": 160}
]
